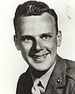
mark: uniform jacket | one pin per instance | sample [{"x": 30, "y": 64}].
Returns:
[{"x": 62, "y": 80}]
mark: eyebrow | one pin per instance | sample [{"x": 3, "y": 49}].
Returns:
[
  {"x": 26, "y": 36},
  {"x": 47, "y": 34}
]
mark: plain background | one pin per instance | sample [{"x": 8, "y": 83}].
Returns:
[{"x": 12, "y": 64}]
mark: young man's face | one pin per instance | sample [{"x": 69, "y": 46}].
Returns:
[{"x": 37, "y": 40}]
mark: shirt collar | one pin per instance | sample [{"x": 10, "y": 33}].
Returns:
[
  {"x": 58, "y": 77},
  {"x": 45, "y": 78}
]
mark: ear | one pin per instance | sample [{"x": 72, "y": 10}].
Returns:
[
  {"x": 16, "y": 42},
  {"x": 59, "y": 38}
]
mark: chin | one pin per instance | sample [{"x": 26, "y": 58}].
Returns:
[{"x": 41, "y": 66}]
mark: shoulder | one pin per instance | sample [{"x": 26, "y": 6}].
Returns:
[
  {"x": 69, "y": 74},
  {"x": 24, "y": 79},
  {"x": 67, "y": 65},
  {"x": 24, "y": 83},
  {"x": 70, "y": 63},
  {"x": 70, "y": 68},
  {"x": 24, "y": 76}
]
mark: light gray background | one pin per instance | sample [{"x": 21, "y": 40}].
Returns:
[{"x": 11, "y": 61}]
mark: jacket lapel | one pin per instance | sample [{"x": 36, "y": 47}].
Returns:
[{"x": 58, "y": 78}]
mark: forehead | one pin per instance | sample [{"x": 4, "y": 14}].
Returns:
[{"x": 36, "y": 24}]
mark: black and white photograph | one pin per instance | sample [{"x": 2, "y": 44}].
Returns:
[{"x": 37, "y": 47}]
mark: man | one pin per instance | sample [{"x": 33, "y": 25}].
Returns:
[{"x": 37, "y": 37}]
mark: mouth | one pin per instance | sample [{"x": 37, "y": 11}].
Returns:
[{"x": 39, "y": 58}]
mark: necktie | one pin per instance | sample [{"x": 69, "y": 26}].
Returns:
[{"x": 38, "y": 87}]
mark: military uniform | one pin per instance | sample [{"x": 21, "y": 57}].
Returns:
[{"x": 62, "y": 80}]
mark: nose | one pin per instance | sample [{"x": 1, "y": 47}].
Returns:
[
  {"x": 36, "y": 47},
  {"x": 39, "y": 45}
]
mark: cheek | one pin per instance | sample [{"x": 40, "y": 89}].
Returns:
[
  {"x": 25, "y": 47},
  {"x": 50, "y": 45},
  {"x": 54, "y": 46}
]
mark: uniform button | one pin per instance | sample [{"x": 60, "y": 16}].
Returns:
[{"x": 59, "y": 80}]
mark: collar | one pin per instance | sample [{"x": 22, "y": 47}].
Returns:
[
  {"x": 58, "y": 77},
  {"x": 45, "y": 78}
]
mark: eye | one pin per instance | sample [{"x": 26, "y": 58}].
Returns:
[
  {"x": 46, "y": 36},
  {"x": 26, "y": 39}
]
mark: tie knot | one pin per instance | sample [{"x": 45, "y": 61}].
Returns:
[
  {"x": 40, "y": 84},
  {"x": 38, "y": 87}
]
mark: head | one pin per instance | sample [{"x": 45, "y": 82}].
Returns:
[{"x": 36, "y": 34}]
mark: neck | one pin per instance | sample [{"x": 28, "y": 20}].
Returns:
[{"x": 36, "y": 73}]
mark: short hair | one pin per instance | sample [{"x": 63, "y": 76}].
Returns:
[{"x": 35, "y": 8}]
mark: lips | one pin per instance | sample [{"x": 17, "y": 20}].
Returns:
[{"x": 40, "y": 57}]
